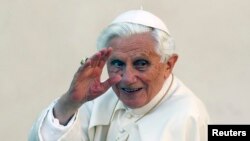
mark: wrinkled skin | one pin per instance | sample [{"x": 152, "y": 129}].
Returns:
[
  {"x": 85, "y": 86},
  {"x": 135, "y": 74},
  {"x": 135, "y": 60}
]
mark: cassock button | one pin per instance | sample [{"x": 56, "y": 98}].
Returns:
[
  {"x": 129, "y": 115},
  {"x": 122, "y": 130}
]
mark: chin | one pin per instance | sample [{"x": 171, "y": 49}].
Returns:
[{"x": 133, "y": 104}]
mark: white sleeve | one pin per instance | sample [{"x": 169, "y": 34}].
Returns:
[
  {"x": 51, "y": 129},
  {"x": 47, "y": 128}
]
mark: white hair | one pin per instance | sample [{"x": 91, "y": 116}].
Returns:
[{"x": 164, "y": 42}]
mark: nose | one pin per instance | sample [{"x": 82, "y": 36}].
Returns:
[{"x": 128, "y": 76}]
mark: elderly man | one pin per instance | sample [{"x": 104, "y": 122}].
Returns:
[{"x": 146, "y": 101}]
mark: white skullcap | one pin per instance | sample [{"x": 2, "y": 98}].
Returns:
[{"x": 141, "y": 17}]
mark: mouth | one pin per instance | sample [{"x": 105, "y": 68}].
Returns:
[{"x": 131, "y": 90}]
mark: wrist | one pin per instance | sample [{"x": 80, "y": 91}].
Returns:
[{"x": 64, "y": 109}]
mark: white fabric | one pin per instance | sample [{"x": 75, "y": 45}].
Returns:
[
  {"x": 54, "y": 130},
  {"x": 122, "y": 125},
  {"x": 141, "y": 17},
  {"x": 180, "y": 117}
]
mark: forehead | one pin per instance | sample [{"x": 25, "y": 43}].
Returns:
[{"x": 137, "y": 44}]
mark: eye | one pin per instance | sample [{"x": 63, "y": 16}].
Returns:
[
  {"x": 117, "y": 63},
  {"x": 141, "y": 64}
]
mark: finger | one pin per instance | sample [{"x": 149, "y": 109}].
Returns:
[
  {"x": 109, "y": 51},
  {"x": 95, "y": 59},
  {"x": 102, "y": 58},
  {"x": 98, "y": 57},
  {"x": 85, "y": 65},
  {"x": 111, "y": 81},
  {"x": 81, "y": 70},
  {"x": 105, "y": 57},
  {"x": 102, "y": 63}
]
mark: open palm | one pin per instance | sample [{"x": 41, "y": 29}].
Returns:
[{"x": 86, "y": 84}]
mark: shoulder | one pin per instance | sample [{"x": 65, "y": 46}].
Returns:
[{"x": 182, "y": 102}]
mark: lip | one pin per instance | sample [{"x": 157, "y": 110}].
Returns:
[{"x": 130, "y": 91}]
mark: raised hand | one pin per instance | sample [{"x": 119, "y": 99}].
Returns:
[{"x": 86, "y": 86}]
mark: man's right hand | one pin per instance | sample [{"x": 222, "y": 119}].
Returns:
[{"x": 85, "y": 86}]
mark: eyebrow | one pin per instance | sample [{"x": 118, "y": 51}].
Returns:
[
  {"x": 136, "y": 56},
  {"x": 145, "y": 53}
]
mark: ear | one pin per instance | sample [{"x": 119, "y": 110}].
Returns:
[{"x": 170, "y": 64}]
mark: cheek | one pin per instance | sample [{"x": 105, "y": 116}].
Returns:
[
  {"x": 153, "y": 74},
  {"x": 154, "y": 80}
]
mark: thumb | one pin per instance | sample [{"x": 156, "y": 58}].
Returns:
[{"x": 111, "y": 81}]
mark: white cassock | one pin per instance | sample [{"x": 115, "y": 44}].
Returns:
[{"x": 177, "y": 116}]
